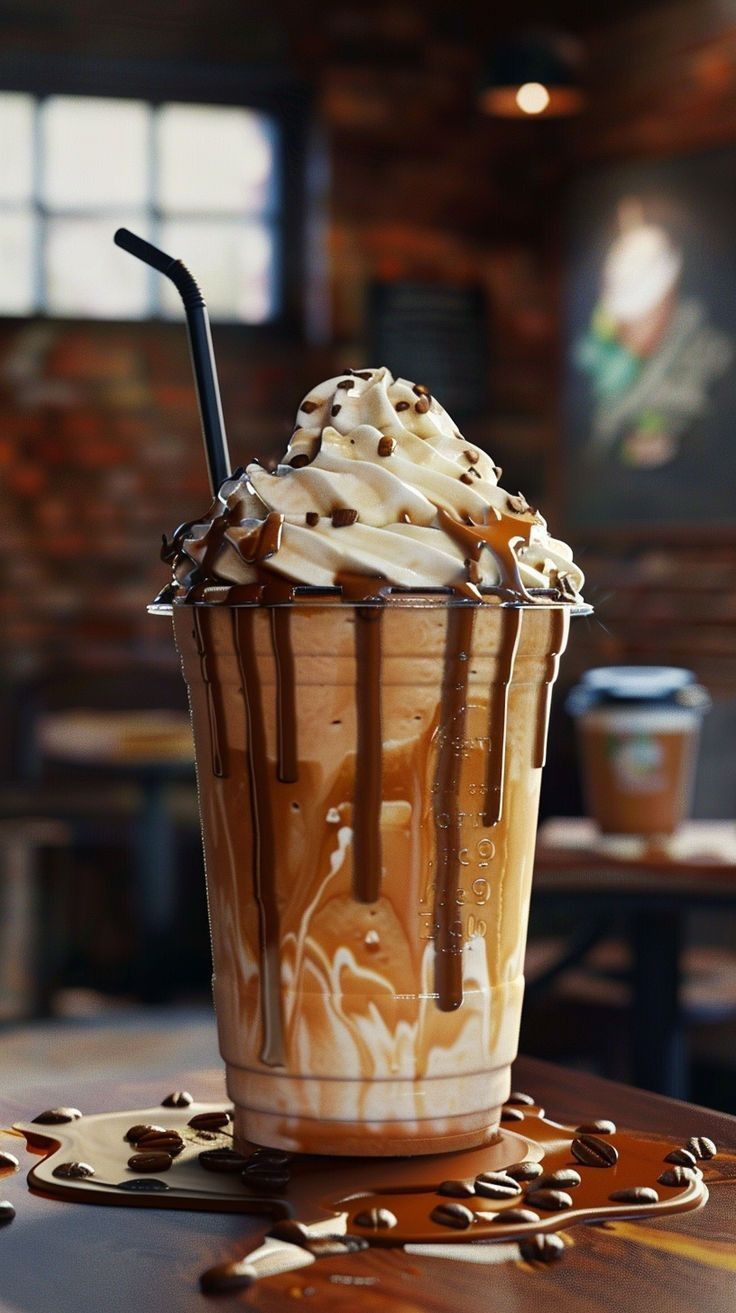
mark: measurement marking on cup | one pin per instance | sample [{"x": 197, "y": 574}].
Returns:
[{"x": 264, "y": 848}]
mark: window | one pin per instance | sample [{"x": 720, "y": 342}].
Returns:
[{"x": 201, "y": 181}]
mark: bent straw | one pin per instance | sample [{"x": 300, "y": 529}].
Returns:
[{"x": 200, "y": 346}]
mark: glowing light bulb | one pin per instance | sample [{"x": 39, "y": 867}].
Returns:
[{"x": 532, "y": 98}]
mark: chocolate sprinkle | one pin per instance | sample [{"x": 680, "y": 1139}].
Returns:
[
  {"x": 421, "y": 406},
  {"x": 362, "y": 373},
  {"x": 312, "y": 518},
  {"x": 74, "y": 1171},
  {"x": 550, "y": 1201},
  {"x": 336, "y": 410},
  {"x": 225, "y": 1277},
  {"x": 592, "y": 1152},
  {"x": 343, "y": 516},
  {"x": 7, "y": 1212},
  {"x": 309, "y": 406},
  {"x": 57, "y": 1116},
  {"x": 545, "y": 1248},
  {"x": 636, "y": 1194},
  {"x": 455, "y": 1215},
  {"x": 526, "y": 1171},
  {"x": 179, "y": 1099},
  {"x": 458, "y": 1189},
  {"x": 386, "y": 446},
  {"x": 381, "y": 1219},
  {"x": 402, "y": 405},
  {"x": 701, "y": 1146},
  {"x": 345, "y": 383},
  {"x": 465, "y": 478},
  {"x": 677, "y": 1176},
  {"x": 473, "y": 457},
  {"x": 299, "y": 461}
]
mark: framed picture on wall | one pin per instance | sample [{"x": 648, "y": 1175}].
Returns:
[{"x": 650, "y": 346}]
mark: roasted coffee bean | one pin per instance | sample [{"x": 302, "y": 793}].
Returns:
[
  {"x": 74, "y": 1171},
  {"x": 682, "y": 1158},
  {"x": 381, "y": 1219},
  {"x": 545, "y": 1248},
  {"x": 677, "y": 1176},
  {"x": 550, "y": 1201},
  {"x": 264, "y": 1179},
  {"x": 511, "y": 1114},
  {"x": 177, "y": 1099},
  {"x": 150, "y": 1162},
  {"x": 516, "y": 1097},
  {"x": 636, "y": 1194},
  {"x": 57, "y": 1116},
  {"x": 135, "y": 1133},
  {"x": 592, "y": 1152},
  {"x": 516, "y": 1216},
  {"x": 7, "y": 1212},
  {"x": 275, "y": 1157},
  {"x": 701, "y": 1146},
  {"x": 455, "y": 1215},
  {"x": 496, "y": 1185},
  {"x": 526, "y": 1171},
  {"x": 139, "y": 1185},
  {"x": 601, "y": 1127},
  {"x": 563, "y": 1179},
  {"x": 459, "y": 1189},
  {"x": 292, "y": 1232},
  {"x": 209, "y": 1121},
  {"x": 165, "y": 1141},
  {"x": 224, "y": 1161},
  {"x": 334, "y": 1246},
  {"x": 224, "y": 1277},
  {"x": 8, "y": 1163}
]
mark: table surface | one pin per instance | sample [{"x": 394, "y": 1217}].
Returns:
[
  {"x": 574, "y": 855},
  {"x": 85, "y": 1258}
]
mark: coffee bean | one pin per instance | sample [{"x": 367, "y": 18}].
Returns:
[
  {"x": 135, "y": 1133},
  {"x": 601, "y": 1127},
  {"x": 550, "y": 1201},
  {"x": 178, "y": 1099},
  {"x": 209, "y": 1121},
  {"x": 511, "y": 1114},
  {"x": 701, "y": 1146},
  {"x": 57, "y": 1116},
  {"x": 459, "y": 1189},
  {"x": 682, "y": 1157},
  {"x": 564, "y": 1178},
  {"x": 275, "y": 1157},
  {"x": 381, "y": 1219},
  {"x": 164, "y": 1141},
  {"x": 334, "y": 1246},
  {"x": 516, "y": 1097},
  {"x": 224, "y": 1277},
  {"x": 150, "y": 1162},
  {"x": 139, "y": 1185},
  {"x": 592, "y": 1152},
  {"x": 543, "y": 1248},
  {"x": 526, "y": 1171},
  {"x": 74, "y": 1171},
  {"x": 455, "y": 1215},
  {"x": 8, "y": 1162},
  {"x": 516, "y": 1216},
  {"x": 265, "y": 1179},
  {"x": 677, "y": 1176},
  {"x": 7, "y": 1212},
  {"x": 636, "y": 1194},
  {"x": 292, "y": 1232},
  {"x": 224, "y": 1161},
  {"x": 496, "y": 1185}
]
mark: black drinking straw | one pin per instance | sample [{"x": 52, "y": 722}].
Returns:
[{"x": 200, "y": 345}]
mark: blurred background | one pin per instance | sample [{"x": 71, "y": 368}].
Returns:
[{"x": 529, "y": 206}]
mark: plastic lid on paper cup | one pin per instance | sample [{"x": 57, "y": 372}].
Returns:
[{"x": 638, "y": 686}]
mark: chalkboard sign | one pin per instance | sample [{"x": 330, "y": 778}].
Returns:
[{"x": 435, "y": 334}]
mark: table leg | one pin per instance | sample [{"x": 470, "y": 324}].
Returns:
[{"x": 658, "y": 1030}]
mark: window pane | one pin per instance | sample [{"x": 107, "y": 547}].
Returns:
[
  {"x": 17, "y": 230},
  {"x": 87, "y": 275},
  {"x": 16, "y": 139},
  {"x": 94, "y": 152},
  {"x": 214, "y": 160},
  {"x": 232, "y": 262}
]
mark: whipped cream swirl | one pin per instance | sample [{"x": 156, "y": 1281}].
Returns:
[{"x": 377, "y": 483}]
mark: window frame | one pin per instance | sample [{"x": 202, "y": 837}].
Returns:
[{"x": 268, "y": 90}]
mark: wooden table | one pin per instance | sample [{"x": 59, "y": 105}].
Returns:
[
  {"x": 86, "y": 1259},
  {"x": 654, "y": 884}
]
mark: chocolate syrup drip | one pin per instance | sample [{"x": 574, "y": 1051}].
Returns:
[
  {"x": 286, "y": 729},
  {"x": 202, "y": 623},
  {"x": 367, "y": 861},
  {"x": 448, "y": 940},
  {"x": 498, "y": 534},
  {"x": 264, "y": 846},
  {"x": 497, "y": 712},
  {"x": 557, "y": 638}
]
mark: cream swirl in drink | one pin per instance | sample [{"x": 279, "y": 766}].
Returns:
[
  {"x": 370, "y": 635},
  {"x": 377, "y": 482}
]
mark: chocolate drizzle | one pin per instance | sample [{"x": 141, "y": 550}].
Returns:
[
  {"x": 448, "y": 937},
  {"x": 202, "y": 631},
  {"x": 264, "y": 848},
  {"x": 499, "y": 534},
  {"x": 367, "y": 864},
  {"x": 286, "y": 727},
  {"x": 557, "y": 646},
  {"x": 497, "y": 714}
]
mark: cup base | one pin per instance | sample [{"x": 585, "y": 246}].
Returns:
[{"x": 369, "y": 1139}]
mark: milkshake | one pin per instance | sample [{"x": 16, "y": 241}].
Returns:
[{"x": 369, "y": 636}]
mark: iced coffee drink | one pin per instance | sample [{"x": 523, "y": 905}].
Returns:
[{"x": 369, "y": 634}]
